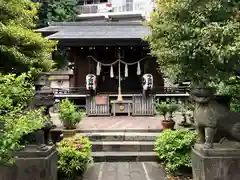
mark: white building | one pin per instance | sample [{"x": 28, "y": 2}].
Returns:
[{"x": 96, "y": 7}]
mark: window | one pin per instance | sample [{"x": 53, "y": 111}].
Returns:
[
  {"x": 81, "y": 2},
  {"x": 89, "y": 2},
  {"x": 129, "y": 5}
]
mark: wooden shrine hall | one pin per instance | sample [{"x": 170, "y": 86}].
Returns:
[{"x": 113, "y": 72}]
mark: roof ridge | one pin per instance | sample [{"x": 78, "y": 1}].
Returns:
[{"x": 87, "y": 23}]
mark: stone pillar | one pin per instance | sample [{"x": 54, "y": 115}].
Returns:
[
  {"x": 220, "y": 163},
  {"x": 38, "y": 165}
]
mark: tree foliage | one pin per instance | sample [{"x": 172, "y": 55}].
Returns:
[
  {"x": 57, "y": 11},
  {"x": 196, "y": 40},
  {"x": 231, "y": 89},
  {"x": 20, "y": 47},
  {"x": 16, "y": 126},
  {"x": 15, "y": 93}
]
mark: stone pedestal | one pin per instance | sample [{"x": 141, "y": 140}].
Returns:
[
  {"x": 220, "y": 163},
  {"x": 38, "y": 165},
  {"x": 8, "y": 172}
]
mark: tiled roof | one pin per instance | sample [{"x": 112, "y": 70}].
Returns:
[{"x": 96, "y": 30}]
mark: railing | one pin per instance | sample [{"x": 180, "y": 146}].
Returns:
[
  {"x": 156, "y": 90},
  {"x": 130, "y": 7},
  {"x": 143, "y": 6},
  {"x": 72, "y": 90},
  {"x": 177, "y": 94},
  {"x": 87, "y": 9}
]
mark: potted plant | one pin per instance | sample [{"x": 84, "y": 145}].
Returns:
[
  {"x": 172, "y": 107},
  {"x": 163, "y": 109},
  {"x": 70, "y": 117}
]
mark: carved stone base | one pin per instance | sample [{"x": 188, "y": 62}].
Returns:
[
  {"x": 8, "y": 172},
  {"x": 220, "y": 163},
  {"x": 37, "y": 165}
]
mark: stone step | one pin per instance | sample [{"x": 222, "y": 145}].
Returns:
[
  {"x": 135, "y": 130},
  {"x": 120, "y": 136},
  {"x": 124, "y": 156},
  {"x": 119, "y": 146}
]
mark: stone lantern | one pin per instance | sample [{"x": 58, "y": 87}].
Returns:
[
  {"x": 42, "y": 80},
  {"x": 44, "y": 95}
]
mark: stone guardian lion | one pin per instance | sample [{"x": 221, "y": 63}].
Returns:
[{"x": 214, "y": 122}]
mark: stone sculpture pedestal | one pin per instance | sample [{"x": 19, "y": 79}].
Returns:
[
  {"x": 220, "y": 163},
  {"x": 38, "y": 165}
]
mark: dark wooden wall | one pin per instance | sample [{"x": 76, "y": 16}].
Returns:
[{"x": 132, "y": 84}]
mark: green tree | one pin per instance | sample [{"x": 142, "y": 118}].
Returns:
[
  {"x": 60, "y": 57},
  {"x": 17, "y": 124},
  {"x": 22, "y": 49},
  {"x": 57, "y": 11},
  {"x": 231, "y": 89},
  {"x": 197, "y": 40},
  {"x": 15, "y": 91}
]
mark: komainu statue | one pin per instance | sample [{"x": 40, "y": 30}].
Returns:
[{"x": 214, "y": 122}]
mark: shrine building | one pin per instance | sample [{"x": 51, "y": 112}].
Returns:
[{"x": 113, "y": 72}]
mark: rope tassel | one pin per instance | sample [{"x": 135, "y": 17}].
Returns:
[
  {"x": 126, "y": 70},
  {"x": 111, "y": 72},
  {"x": 138, "y": 69},
  {"x": 98, "y": 69}
]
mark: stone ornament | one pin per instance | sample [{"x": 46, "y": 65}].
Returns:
[
  {"x": 44, "y": 97},
  {"x": 214, "y": 122}
]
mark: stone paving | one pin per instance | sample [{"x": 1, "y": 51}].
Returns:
[
  {"x": 117, "y": 122},
  {"x": 124, "y": 171},
  {"x": 121, "y": 170}
]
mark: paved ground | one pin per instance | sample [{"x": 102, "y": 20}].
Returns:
[
  {"x": 121, "y": 170},
  {"x": 117, "y": 122},
  {"x": 125, "y": 171}
]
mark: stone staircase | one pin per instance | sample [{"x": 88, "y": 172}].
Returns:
[{"x": 122, "y": 146}]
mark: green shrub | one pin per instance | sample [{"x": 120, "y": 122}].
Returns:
[
  {"x": 74, "y": 155},
  {"x": 16, "y": 126},
  {"x": 16, "y": 91},
  {"x": 69, "y": 116},
  {"x": 173, "y": 149}
]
